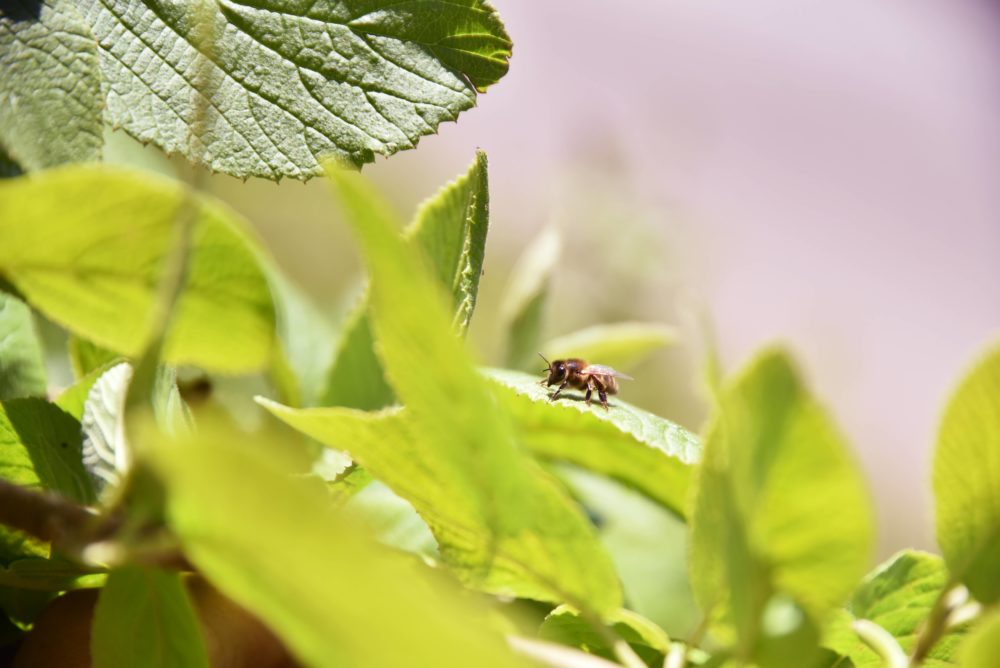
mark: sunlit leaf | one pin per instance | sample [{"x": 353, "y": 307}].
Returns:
[
  {"x": 898, "y": 596},
  {"x": 39, "y": 448},
  {"x": 144, "y": 618},
  {"x": 50, "y": 91},
  {"x": 274, "y": 545},
  {"x": 450, "y": 228},
  {"x": 967, "y": 480},
  {"x": 22, "y": 366},
  {"x": 85, "y": 356},
  {"x": 85, "y": 246},
  {"x": 270, "y": 88},
  {"x": 52, "y": 575},
  {"x": 982, "y": 646},
  {"x": 641, "y": 450},
  {"x": 524, "y": 302},
  {"x": 780, "y": 506},
  {"x": 564, "y": 625},
  {"x": 619, "y": 345},
  {"x": 500, "y": 522}
]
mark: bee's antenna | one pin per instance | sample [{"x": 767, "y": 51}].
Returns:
[{"x": 547, "y": 363}]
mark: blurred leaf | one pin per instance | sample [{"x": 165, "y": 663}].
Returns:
[
  {"x": 500, "y": 522},
  {"x": 74, "y": 398},
  {"x": 967, "y": 480},
  {"x": 275, "y": 546},
  {"x": 392, "y": 520},
  {"x": 51, "y": 85},
  {"x": 648, "y": 545},
  {"x": 524, "y": 302},
  {"x": 306, "y": 337},
  {"x": 86, "y": 244},
  {"x": 780, "y": 506},
  {"x": 22, "y": 365},
  {"x": 279, "y": 87},
  {"x": 144, "y": 618},
  {"x": 982, "y": 646},
  {"x": 641, "y": 450},
  {"x": 564, "y": 625},
  {"x": 86, "y": 356},
  {"x": 49, "y": 575},
  {"x": 556, "y": 655},
  {"x": 40, "y": 448},
  {"x": 620, "y": 345},
  {"x": 450, "y": 228},
  {"x": 898, "y": 596}
]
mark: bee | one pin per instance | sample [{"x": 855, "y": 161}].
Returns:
[{"x": 580, "y": 375}]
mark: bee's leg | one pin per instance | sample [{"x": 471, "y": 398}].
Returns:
[
  {"x": 604, "y": 396},
  {"x": 589, "y": 391},
  {"x": 555, "y": 394}
]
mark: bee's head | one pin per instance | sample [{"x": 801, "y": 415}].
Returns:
[{"x": 556, "y": 371}]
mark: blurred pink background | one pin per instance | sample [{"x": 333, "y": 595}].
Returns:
[{"x": 819, "y": 174}]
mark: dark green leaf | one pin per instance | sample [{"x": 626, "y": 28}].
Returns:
[
  {"x": 565, "y": 626},
  {"x": 40, "y": 448}
]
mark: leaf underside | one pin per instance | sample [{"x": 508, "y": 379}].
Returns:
[{"x": 272, "y": 88}]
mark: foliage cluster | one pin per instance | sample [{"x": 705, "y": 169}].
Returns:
[{"x": 398, "y": 505}]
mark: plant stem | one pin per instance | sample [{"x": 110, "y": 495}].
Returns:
[
  {"x": 935, "y": 626},
  {"x": 44, "y": 515},
  {"x": 623, "y": 651}
]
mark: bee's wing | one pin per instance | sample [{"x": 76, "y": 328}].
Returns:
[{"x": 600, "y": 369}]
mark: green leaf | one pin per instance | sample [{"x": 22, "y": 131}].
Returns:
[
  {"x": 450, "y": 228},
  {"x": 40, "y": 448},
  {"x": 85, "y": 246},
  {"x": 51, "y": 87},
  {"x": 53, "y": 575},
  {"x": 898, "y": 596},
  {"x": 271, "y": 88},
  {"x": 982, "y": 647},
  {"x": 74, "y": 398},
  {"x": 967, "y": 480},
  {"x": 145, "y": 618},
  {"x": 392, "y": 520},
  {"x": 500, "y": 522},
  {"x": 780, "y": 506},
  {"x": 524, "y": 302},
  {"x": 620, "y": 345},
  {"x": 643, "y": 451},
  {"x": 564, "y": 625},
  {"x": 22, "y": 365},
  {"x": 275, "y": 546},
  {"x": 86, "y": 356}
]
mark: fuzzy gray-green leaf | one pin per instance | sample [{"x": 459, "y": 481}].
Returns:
[{"x": 269, "y": 88}]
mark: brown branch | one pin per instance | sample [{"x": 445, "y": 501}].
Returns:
[{"x": 44, "y": 515}]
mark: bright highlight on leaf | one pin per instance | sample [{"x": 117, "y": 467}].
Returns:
[
  {"x": 640, "y": 450},
  {"x": 271, "y": 88},
  {"x": 967, "y": 480},
  {"x": 780, "y": 506},
  {"x": 85, "y": 245}
]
